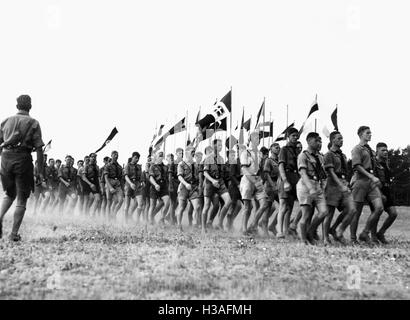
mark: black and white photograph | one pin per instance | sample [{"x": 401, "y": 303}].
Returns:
[{"x": 224, "y": 152}]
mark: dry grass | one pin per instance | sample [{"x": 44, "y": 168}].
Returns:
[{"x": 84, "y": 258}]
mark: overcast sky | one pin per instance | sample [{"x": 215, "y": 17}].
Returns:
[{"x": 93, "y": 65}]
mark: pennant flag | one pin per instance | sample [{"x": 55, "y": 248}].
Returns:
[
  {"x": 160, "y": 130},
  {"x": 233, "y": 141},
  {"x": 47, "y": 147},
  {"x": 108, "y": 140},
  {"x": 261, "y": 110},
  {"x": 283, "y": 135},
  {"x": 221, "y": 111},
  {"x": 188, "y": 142},
  {"x": 334, "y": 119},
  {"x": 241, "y": 138},
  {"x": 326, "y": 132},
  {"x": 247, "y": 125},
  {"x": 314, "y": 108},
  {"x": 197, "y": 116}
]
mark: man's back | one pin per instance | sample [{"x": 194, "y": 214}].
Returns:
[{"x": 21, "y": 130}]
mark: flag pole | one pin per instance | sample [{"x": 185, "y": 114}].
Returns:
[
  {"x": 264, "y": 107},
  {"x": 287, "y": 115},
  {"x": 270, "y": 133},
  {"x": 186, "y": 128},
  {"x": 315, "y": 123},
  {"x": 230, "y": 126}
]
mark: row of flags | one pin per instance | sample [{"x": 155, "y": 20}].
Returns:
[{"x": 217, "y": 120}]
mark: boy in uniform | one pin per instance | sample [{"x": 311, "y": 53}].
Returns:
[
  {"x": 310, "y": 188},
  {"x": 365, "y": 186}
]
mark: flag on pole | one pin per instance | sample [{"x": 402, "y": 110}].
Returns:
[
  {"x": 230, "y": 143},
  {"x": 261, "y": 110},
  {"x": 325, "y": 131},
  {"x": 266, "y": 132},
  {"x": 241, "y": 138},
  {"x": 157, "y": 134},
  {"x": 334, "y": 119},
  {"x": 247, "y": 124},
  {"x": 283, "y": 135},
  {"x": 47, "y": 147},
  {"x": 108, "y": 140},
  {"x": 313, "y": 108},
  {"x": 221, "y": 110},
  {"x": 178, "y": 127},
  {"x": 197, "y": 116}
]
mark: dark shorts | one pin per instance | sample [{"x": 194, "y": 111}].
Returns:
[
  {"x": 388, "y": 199},
  {"x": 184, "y": 194},
  {"x": 87, "y": 189},
  {"x": 364, "y": 190},
  {"x": 174, "y": 193},
  {"x": 116, "y": 184},
  {"x": 163, "y": 191},
  {"x": 39, "y": 190},
  {"x": 234, "y": 192},
  {"x": 336, "y": 198},
  {"x": 63, "y": 191},
  {"x": 291, "y": 195},
  {"x": 80, "y": 186},
  {"x": 210, "y": 190},
  {"x": 129, "y": 192},
  {"x": 17, "y": 174},
  {"x": 272, "y": 192}
]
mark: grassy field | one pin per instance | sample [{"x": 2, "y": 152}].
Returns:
[{"x": 76, "y": 257}]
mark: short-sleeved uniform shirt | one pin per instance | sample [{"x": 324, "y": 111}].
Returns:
[
  {"x": 92, "y": 173},
  {"x": 336, "y": 160},
  {"x": 363, "y": 189},
  {"x": 189, "y": 172},
  {"x": 271, "y": 167},
  {"x": 160, "y": 174},
  {"x": 313, "y": 165},
  {"x": 383, "y": 172},
  {"x": 17, "y": 169},
  {"x": 114, "y": 172},
  {"x": 22, "y": 130},
  {"x": 69, "y": 174},
  {"x": 214, "y": 167},
  {"x": 289, "y": 157},
  {"x": 51, "y": 174},
  {"x": 249, "y": 163},
  {"x": 362, "y": 155},
  {"x": 134, "y": 172}
]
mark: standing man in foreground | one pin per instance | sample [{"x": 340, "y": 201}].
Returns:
[
  {"x": 383, "y": 172},
  {"x": 19, "y": 136},
  {"x": 365, "y": 187}
]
